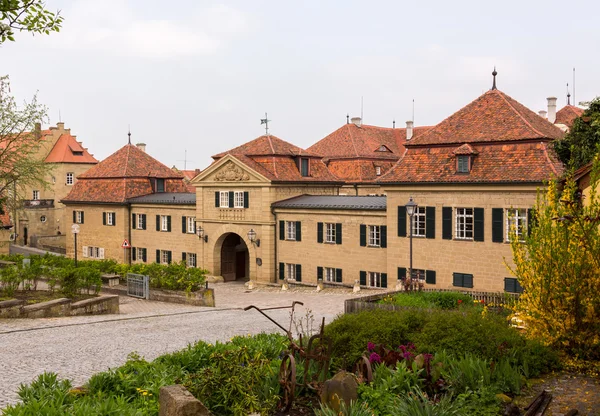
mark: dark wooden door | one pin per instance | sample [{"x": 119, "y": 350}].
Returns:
[
  {"x": 240, "y": 264},
  {"x": 228, "y": 258},
  {"x": 25, "y": 236}
]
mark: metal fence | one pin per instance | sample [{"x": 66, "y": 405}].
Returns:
[{"x": 138, "y": 286}]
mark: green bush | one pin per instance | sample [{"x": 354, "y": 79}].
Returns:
[{"x": 443, "y": 300}]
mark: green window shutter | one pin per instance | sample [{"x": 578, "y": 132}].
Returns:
[
  {"x": 430, "y": 277},
  {"x": 338, "y": 275},
  {"x": 246, "y": 199},
  {"x": 518, "y": 287},
  {"x": 319, "y": 272},
  {"x": 430, "y": 222},
  {"x": 282, "y": 230},
  {"x": 74, "y": 217},
  {"x": 231, "y": 199},
  {"x": 144, "y": 255},
  {"x": 168, "y": 223},
  {"x": 183, "y": 256},
  {"x": 509, "y": 285},
  {"x": 217, "y": 199},
  {"x": 363, "y": 235},
  {"x": 319, "y": 232},
  {"x": 281, "y": 271},
  {"x": 447, "y": 223},
  {"x": 478, "y": 224},
  {"x": 298, "y": 231},
  {"x": 457, "y": 279},
  {"x": 338, "y": 233},
  {"x": 383, "y": 279},
  {"x": 298, "y": 272},
  {"x": 169, "y": 258},
  {"x": 114, "y": 218},
  {"x": 363, "y": 278},
  {"x": 144, "y": 222},
  {"x": 133, "y": 222},
  {"x": 497, "y": 225},
  {"x": 383, "y": 229},
  {"x": 531, "y": 220},
  {"x": 104, "y": 218},
  {"x": 468, "y": 280},
  {"x": 158, "y": 256},
  {"x": 82, "y": 219},
  {"x": 401, "y": 273},
  {"x": 401, "y": 221},
  {"x": 184, "y": 224},
  {"x": 158, "y": 223},
  {"x": 133, "y": 253}
]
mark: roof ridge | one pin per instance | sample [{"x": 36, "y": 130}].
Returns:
[
  {"x": 271, "y": 143},
  {"x": 502, "y": 95}
]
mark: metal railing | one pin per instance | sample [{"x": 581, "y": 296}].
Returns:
[
  {"x": 38, "y": 203},
  {"x": 138, "y": 286}
]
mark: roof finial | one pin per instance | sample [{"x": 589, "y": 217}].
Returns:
[
  {"x": 265, "y": 121},
  {"x": 129, "y": 133},
  {"x": 394, "y": 123},
  {"x": 347, "y": 118},
  {"x": 568, "y": 95},
  {"x": 494, "y": 75}
]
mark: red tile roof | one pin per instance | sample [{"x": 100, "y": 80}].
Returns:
[
  {"x": 5, "y": 220},
  {"x": 492, "y": 117},
  {"x": 465, "y": 149},
  {"x": 266, "y": 146},
  {"x": 358, "y": 170},
  {"x": 68, "y": 150},
  {"x": 568, "y": 114},
  {"x": 494, "y": 163}
]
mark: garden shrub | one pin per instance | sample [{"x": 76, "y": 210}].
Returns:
[{"x": 443, "y": 300}]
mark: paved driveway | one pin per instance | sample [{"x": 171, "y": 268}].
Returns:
[{"x": 78, "y": 347}]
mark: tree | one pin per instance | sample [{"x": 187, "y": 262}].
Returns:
[
  {"x": 579, "y": 145},
  {"x": 26, "y": 15},
  {"x": 21, "y": 161},
  {"x": 558, "y": 266}
]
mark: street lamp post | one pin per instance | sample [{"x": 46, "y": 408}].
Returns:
[{"x": 411, "y": 207}]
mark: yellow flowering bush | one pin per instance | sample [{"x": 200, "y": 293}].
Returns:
[{"x": 558, "y": 266}]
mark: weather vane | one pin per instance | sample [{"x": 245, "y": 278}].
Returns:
[{"x": 265, "y": 121}]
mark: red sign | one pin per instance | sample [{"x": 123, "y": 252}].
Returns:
[{"x": 125, "y": 244}]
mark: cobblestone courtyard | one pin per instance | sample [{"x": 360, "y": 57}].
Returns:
[{"x": 78, "y": 347}]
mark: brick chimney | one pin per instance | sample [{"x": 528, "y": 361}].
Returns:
[
  {"x": 141, "y": 146},
  {"x": 552, "y": 109},
  {"x": 409, "y": 130},
  {"x": 60, "y": 125}
]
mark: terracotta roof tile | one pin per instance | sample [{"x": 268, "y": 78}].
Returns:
[
  {"x": 465, "y": 149},
  {"x": 568, "y": 114},
  {"x": 285, "y": 169},
  {"x": 494, "y": 116},
  {"x": 266, "y": 146},
  {"x": 358, "y": 170},
  {"x": 68, "y": 150}
]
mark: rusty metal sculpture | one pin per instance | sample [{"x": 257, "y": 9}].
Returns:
[{"x": 317, "y": 352}]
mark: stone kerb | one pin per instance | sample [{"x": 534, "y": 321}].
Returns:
[{"x": 60, "y": 307}]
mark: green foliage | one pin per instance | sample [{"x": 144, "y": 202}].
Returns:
[
  {"x": 417, "y": 403},
  {"x": 354, "y": 409},
  {"x": 443, "y": 300},
  {"x": 482, "y": 402},
  {"x": 26, "y": 15},
  {"x": 582, "y": 142}
]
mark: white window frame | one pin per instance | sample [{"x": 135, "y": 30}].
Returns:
[
  {"x": 110, "y": 218},
  {"x": 36, "y": 195},
  {"x": 290, "y": 230},
  {"x": 164, "y": 257},
  {"x": 139, "y": 254},
  {"x": 378, "y": 170},
  {"x": 290, "y": 271},
  {"x": 517, "y": 218},
  {"x": 463, "y": 218},
  {"x": 330, "y": 232},
  {"x": 374, "y": 236},
  {"x": 164, "y": 223},
  {"x": 329, "y": 274},
  {"x": 190, "y": 259},
  {"x": 70, "y": 178},
  {"x": 238, "y": 199},
  {"x": 78, "y": 217},
  {"x": 373, "y": 279},
  {"x": 191, "y": 225},
  {"x": 418, "y": 222},
  {"x": 93, "y": 252},
  {"x": 140, "y": 221},
  {"x": 224, "y": 199}
]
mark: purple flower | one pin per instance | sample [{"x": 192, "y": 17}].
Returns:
[
  {"x": 402, "y": 348},
  {"x": 374, "y": 358},
  {"x": 411, "y": 346},
  {"x": 370, "y": 346},
  {"x": 407, "y": 356}
]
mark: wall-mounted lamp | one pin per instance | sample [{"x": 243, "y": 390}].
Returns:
[
  {"x": 200, "y": 233},
  {"x": 252, "y": 238}
]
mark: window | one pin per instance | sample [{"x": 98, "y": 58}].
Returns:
[
  {"x": 238, "y": 199},
  {"x": 191, "y": 225},
  {"x": 108, "y": 218},
  {"x": 160, "y": 185},
  {"x": 78, "y": 217},
  {"x": 330, "y": 232},
  {"x": 464, "y": 224},
  {"x": 224, "y": 199},
  {"x": 290, "y": 271},
  {"x": 141, "y": 221},
  {"x": 290, "y": 230},
  {"x": 165, "y": 257},
  {"x": 164, "y": 223},
  {"x": 419, "y": 222},
  {"x": 43, "y": 218},
  {"x": 512, "y": 285},
  {"x": 141, "y": 254},
  {"x": 463, "y": 164},
  {"x": 36, "y": 195},
  {"x": 378, "y": 170},
  {"x": 374, "y": 279},
  {"x": 516, "y": 223},
  {"x": 374, "y": 235},
  {"x": 418, "y": 274},
  {"x": 191, "y": 259},
  {"x": 462, "y": 280},
  {"x": 304, "y": 166},
  {"x": 93, "y": 252},
  {"x": 329, "y": 273},
  {"x": 70, "y": 178}
]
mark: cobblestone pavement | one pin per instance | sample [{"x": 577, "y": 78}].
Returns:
[{"x": 78, "y": 347}]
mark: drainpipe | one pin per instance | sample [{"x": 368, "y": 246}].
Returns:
[
  {"x": 356, "y": 189},
  {"x": 275, "y": 244},
  {"x": 129, "y": 232}
]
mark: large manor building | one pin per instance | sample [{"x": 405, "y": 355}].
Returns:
[{"x": 269, "y": 211}]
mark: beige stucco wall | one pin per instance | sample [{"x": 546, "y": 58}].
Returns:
[{"x": 485, "y": 260}]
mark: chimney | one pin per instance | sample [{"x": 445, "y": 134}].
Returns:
[
  {"x": 141, "y": 146},
  {"x": 552, "y": 109},
  {"x": 542, "y": 113},
  {"x": 409, "y": 130},
  {"x": 60, "y": 125},
  {"x": 37, "y": 131},
  {"x": 357, "y": 121}
]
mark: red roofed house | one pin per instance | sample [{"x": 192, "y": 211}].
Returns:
[{"x": 43, "y": 222}]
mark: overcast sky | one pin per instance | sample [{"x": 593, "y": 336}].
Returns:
[{"x": 199, "y": 75}]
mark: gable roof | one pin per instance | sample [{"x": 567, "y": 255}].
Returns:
[
  {"x": 492, "y": 117},
  {"x": 68, "y": 150},
  {"x": 266, "y": 146},
  {"x": 130, "y": 162},
  {"x": 568, "y": 114}
]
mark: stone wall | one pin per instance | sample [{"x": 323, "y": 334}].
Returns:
[{"x": 105, "y": 304}]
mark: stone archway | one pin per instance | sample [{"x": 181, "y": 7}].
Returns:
[{"x": 234, "y": 257}]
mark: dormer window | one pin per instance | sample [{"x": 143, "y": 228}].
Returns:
[
  {"x": 378, "y": 170},
  {"x": 304, "y": 166},
  {"x": 160, "y": 185},
  {"x": 463, "y": 164},
  {"x": 383, "y": 148}
]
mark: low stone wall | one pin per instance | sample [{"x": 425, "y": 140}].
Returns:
[
  {"x": 100, "y": 305},
  {"x": 204, "y": 297}
]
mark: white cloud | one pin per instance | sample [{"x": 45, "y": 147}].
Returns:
[{"x": 115, "y": 27}]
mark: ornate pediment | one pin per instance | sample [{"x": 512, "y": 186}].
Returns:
[{"x": 230, "y": 172}]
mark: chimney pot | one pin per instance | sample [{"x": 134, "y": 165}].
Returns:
[
  {"x": 60, "y": 125},
  {"x": 141, "y": 146},
  {"x": 552, "y": 109},
  {"x": 409, "y": 130},
  {"x": 542, "y": 113},
  {"x": 357, "y": 121}
]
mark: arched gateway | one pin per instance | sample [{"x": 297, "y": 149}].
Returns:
[{"x": 235, "y": 258}]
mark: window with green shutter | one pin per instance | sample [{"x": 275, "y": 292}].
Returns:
[
  {"x": 281, "y": 271},
  {"x": 497, "y": 225},
  {"x": 363, "y": 235},
  {"x": 429, "y": 222},
  {"x": 401, "y": 273},
  {"x": 462, "y": 280},
  {"x": 430, "y": 277},
  {"x": 512, "y": 285},
  {"x": 478, "y": 224},
  {"x": 319, "y": 232},
  {"x": 363, "y": 278},
  {"x": 401, "y": 221},
  {"x": 447, "y": 223},
  {"x": 338, "y": 233}
]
